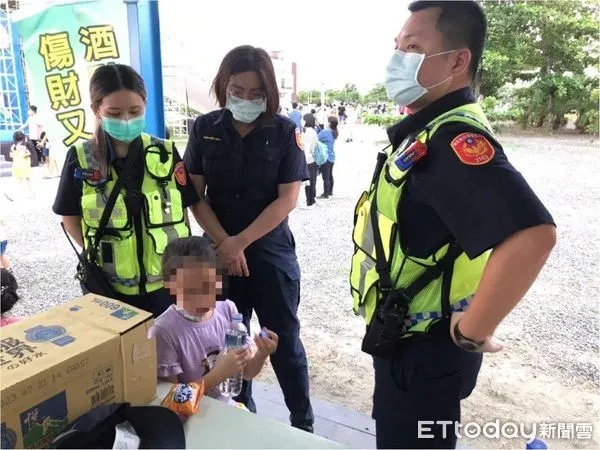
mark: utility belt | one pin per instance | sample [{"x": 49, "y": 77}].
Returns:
[{"x": 390, "y": 320}]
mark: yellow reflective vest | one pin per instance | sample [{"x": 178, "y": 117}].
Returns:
[
  {"x": 130, "y": 255},
  {"x": 426, "y": 306}
]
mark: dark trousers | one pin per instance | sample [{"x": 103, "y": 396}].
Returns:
[
  {"x": 311, "y": 190},
  {"x": 327, "y": 173},
  {"x": 425, "y": 383},
  {"x": 275, "y": 296},
  {"x": 155, "y": 302}
]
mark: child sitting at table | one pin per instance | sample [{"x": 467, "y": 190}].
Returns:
[{"x": 190, "y": 335}]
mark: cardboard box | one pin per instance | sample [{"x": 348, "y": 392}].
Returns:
[{"x": 58, "y": 365}]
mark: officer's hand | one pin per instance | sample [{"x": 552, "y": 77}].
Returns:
[
  {"x": 239, "y": 267},
  {"x": 490, "y": 345},
  {"x": 231, "y": 251}
]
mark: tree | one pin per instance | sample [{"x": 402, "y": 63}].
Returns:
[
  {"x": 309, "y": 97},
  {"x": 546, "y": 42},
  {"x": 377, "y": 94}
]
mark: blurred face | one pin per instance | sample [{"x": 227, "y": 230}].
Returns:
[
  {"x": 196, "y": 286},
  {"x": 31, "y": 112},
  {"x": 420, "y": 35},
  {"x": 246, "y": 85},
  {"x": 123, "y": 104}
]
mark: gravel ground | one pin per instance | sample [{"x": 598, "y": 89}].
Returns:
[{"x": 549, "y": 371}]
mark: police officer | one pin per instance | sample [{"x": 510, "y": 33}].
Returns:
[
  {"x": 448, "y": 238},
  {"x": 247, "y": 165},
  {"x": 150, "y": 208}
]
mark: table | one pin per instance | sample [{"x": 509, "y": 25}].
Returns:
[{"x": 219, "y": 425}]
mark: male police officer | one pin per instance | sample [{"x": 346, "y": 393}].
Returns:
[{"x": 448, "y": 223}]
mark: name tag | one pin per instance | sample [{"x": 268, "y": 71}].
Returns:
[
  {"x": 411, "y": 155},
  {"x": 88, "y": 174}
]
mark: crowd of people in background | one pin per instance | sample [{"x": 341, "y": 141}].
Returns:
[{"x": 320, "y": 125}]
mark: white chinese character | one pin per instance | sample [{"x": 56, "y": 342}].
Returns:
[
  {"x": 566, "y": 430},
  {"x": 546, "y": 430},
  {"x": 583, "y": 430}
]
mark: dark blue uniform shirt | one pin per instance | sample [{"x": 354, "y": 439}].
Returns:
[
  {"x": 478, "y": 205},
  {"x": 242, "y": 176}
]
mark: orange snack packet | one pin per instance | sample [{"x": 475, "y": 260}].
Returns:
[{"x": 184, "y": 398}]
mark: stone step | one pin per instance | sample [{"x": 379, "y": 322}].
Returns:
[
  {"x": 5, "y": 164},
  {"x": 5, "y": 173}
]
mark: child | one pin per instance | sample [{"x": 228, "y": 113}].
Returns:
[
  {"x": 190, "y": 335},
  {"x": 21, "y": 156},
  {"x": 8, "y": 296}
]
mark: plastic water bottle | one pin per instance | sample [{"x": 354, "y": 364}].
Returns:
[
  {"x": 236, "y": 337},
  {"x": 537, "y": 444}
]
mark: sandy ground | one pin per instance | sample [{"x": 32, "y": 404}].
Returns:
[{"x": 549, "y": 370}]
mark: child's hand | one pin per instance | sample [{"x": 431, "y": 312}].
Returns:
[
  {"x": 232, "y": 362},
  {"x": 266, "y": 342}
]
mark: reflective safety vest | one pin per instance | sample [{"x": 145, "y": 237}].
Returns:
[
  {"x": 130, "y": 253},
  {"x": 426, "y": 306}
]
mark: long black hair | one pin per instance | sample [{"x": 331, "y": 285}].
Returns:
[{"x": 333, "y": 124}]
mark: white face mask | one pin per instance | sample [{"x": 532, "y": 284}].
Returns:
[
  {"x": 246, "y": 111},
  {"x": 401, "y": 79}
]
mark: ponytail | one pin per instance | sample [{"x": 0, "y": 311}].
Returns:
[{"x": 100, "y": 150}]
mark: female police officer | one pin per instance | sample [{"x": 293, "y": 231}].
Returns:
[
  {"x": 248, "y": 161},
  {"x": 150, "y": 208}
]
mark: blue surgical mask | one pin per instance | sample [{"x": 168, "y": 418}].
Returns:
[
  {"x": 246, "y": 111},
  {"x": 124, "y": 130},
  {"x": 401, "y": 80}
]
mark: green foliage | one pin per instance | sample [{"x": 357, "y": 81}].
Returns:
[
  {"x": 377, "y": 94},
  {"x": 380, "y": 119},
  {"x": 550, "y": 99},
  {"x": 349, "y": 93},
  {"x": 550, "y": 44}
]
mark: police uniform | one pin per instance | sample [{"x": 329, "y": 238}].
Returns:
[
  {"x": 148, "y": 213},
  {"x": 242, "y": 177},
  {"x": 445, "y": 194}
]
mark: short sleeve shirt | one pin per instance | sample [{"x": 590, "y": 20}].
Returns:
[
  {"x": 479, "y": 205},
  {"x": 243, "y": 174},
  {"x": 188, "y": 349},
  {"x": 68, "y": 196}
]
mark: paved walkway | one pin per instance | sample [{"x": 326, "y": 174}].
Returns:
[{"x": 332, "y": 421}]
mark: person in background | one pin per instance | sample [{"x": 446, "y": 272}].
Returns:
[
  {"x": 151, "y": 206},
  {"x": 328, "y": 136},
  {"x": 190, "y": 335},
  {"x": 50, "y": 159},
  {"x": 34, "y": 134},
  {"x": 309, "y": 144},
  {"x": 322, "y": 117},
  {"x": 248, "y": 168},
  {"x": 296, "y": 116},
  {"x": 21, "y": 152},
  {"x": 8, "y": 296}
]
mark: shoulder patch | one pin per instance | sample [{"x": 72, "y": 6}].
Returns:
[
  {"x": 473, "y": 149},
  {"x": 299, "y": 138},
  {"x": 180, "y": 175}
]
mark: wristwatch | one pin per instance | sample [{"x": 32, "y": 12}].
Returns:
[{"x": 465, "y": 343}]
